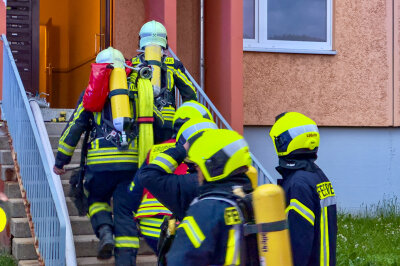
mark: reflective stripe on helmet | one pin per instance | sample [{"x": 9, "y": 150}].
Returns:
[
  {"x": 186, "y": 134},
  {"x": 198, "y": 108}
]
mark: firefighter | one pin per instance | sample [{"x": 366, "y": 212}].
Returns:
[
  {"x": 311, "y": 201},
  {"x": 109, "y": 170},
  {"x": 211, "y": 232},
  {"x": 148, "y": 210},
  {"x": 175, "y": 192},
  {"x": 172, "y": 74}
]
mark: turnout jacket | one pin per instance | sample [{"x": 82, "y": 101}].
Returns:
[
  {"x": 311, "y": 210},
  {"x": 102, "y": 154},
  {"x": 211, "y": 232},
  {"x": 172, "y": 74},
  {"x": 175, "y": 192}
]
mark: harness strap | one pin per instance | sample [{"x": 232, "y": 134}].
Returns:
[
  {"x": 250, "y": 229},
  {"x": 118, "y": 92}
]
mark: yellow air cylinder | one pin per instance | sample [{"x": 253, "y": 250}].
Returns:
[
  {"x": 252, "y": 174},
  {"x": 273, "y": 238},
  {"x": 152, "y": 54},
  {"x": 146, "y": 100},
  {"x": 120, "y": 106}
]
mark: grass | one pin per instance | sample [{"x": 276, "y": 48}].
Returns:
[
  {"x": 371, "y": 238},
  {"x": 7, "y": 260}
]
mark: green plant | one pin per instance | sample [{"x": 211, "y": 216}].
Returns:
[
  {"x": 372, "y": 237},
  {"x": 7, "y": 260}
]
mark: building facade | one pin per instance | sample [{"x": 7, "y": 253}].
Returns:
[{"x": 338, "y": 62}]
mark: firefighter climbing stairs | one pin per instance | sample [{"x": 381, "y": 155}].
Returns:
[{"x": 21, "y": 244}]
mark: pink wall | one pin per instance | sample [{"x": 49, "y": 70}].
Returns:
[
  {"x": 129, "y": 16},
  {"x": 223, "y": 58},
  {"x": 188, "y": 36},
  {"x": 353, "y": 88}
]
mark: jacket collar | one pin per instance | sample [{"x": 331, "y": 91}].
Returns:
[
  {"x": 288, "y": 166},
  {"x": 226, "y": 185}
]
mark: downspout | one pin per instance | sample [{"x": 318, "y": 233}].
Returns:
[{"x": 202, "y": 44}]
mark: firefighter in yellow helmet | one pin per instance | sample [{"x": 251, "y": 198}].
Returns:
[
  {"x": 211, "y": 232},
  {"x": 173, "y": 74},
  {"x": 311, "y": 201},
  {"x": 149, "y": 212}
]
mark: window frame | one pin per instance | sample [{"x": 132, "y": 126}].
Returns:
[{"x": 261, "y": 43}]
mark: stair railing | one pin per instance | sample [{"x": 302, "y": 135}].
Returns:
[
  {"x": 263, "y": 176},
  {"x": 45, "y": 208}
]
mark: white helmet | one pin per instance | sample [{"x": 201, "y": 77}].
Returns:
[
  {"x": 153, "y": 32},
  {"x": 111, "y": 55}
]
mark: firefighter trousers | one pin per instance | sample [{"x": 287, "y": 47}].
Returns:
[{"x": 102, "y": 186}]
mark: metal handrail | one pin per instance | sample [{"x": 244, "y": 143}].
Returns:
[
  {"x": 263, "y": 176},
  {"x": 46, "y": 211}
]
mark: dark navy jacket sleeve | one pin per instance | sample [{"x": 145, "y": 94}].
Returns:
[
  {"x": 183, "y": 83},
  {"x": 78, "y": 123},
  {"x": 301, "y": 218},
  {"x": 175, "y": 192},
  {"x": 198, "y": 236}
]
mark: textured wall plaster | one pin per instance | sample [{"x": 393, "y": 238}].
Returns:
[
  {"x": 354, "y": 87},
  {"x": 188, "y": 36},
  {"x": 129, "y": 16}
]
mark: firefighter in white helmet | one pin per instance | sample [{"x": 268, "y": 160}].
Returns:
[{"x": 171, "y": 73}]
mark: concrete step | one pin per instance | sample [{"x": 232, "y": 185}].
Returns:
[
  {"x": 5, "y": 157},
  {"x": 55, "y": 138},
  {"x": 86, "y": 246},
  {"x": 23, "y": 249},
  {"x": 11, "y": 189},
  {"x": 81, "y": 225},
  {"x": 28, "y": 263},
  {"x": 50, "y": 113},
  {"x": 19, "y": 227},
  {"x": 141, "y": 260},
  {"x": 68, "y": 174},
  {"x": 4, "y": 145},
  {"x": 8, "y": 173},
  {"x": 16, "y": 208},
  {"x": 66, "y": 186},
  {"x": 55, "y": 128}
]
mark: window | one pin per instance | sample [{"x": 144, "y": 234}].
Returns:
[{"x": 287, "y": 25}]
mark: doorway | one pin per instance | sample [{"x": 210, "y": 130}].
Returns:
[{"x": 71, "y": 35}]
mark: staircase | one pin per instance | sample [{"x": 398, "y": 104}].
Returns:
[{"x": 22, "y": 247}]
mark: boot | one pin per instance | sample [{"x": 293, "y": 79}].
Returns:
[
  {"x": 125, "y": 256},
  {"x": 106, "y": 244}
]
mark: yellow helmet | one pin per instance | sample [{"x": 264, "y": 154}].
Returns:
[
  {"x": 192, "y": 127},
  {"x": 220, "y": 153},
  {"x": 294, "y": 133},
  {"x": 188, "y": 110}
]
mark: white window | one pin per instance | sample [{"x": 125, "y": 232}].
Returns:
[{"x": 303, "y": 26}]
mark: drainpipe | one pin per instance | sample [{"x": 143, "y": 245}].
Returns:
[{"x": 202, "y": 44}]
